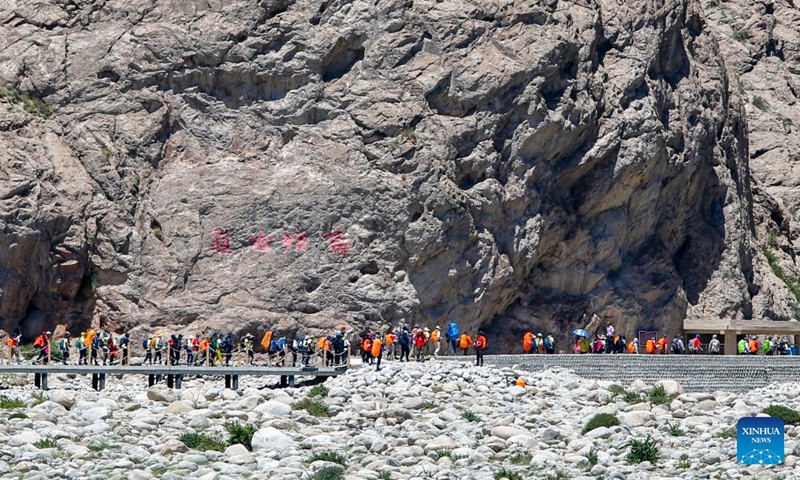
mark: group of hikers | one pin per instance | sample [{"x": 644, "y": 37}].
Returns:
[{"x": 420, "y": 343}]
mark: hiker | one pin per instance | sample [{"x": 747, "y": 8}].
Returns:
[
  {"x": 480, "y": 348},
  {"x": 550, "y": 344},
  {"x": 63, "y": 347},
  {"x": 527, "y": 343},
  {"x": 694, "y": 345},
  {"x": 227, "y": 347},
  {"x": 80, "y": 344},
  {"x": 766, "y": 347},
  {"x": 753, "y": 345},
  {"x": 662, "y": 345},
  {"x": 339, "y": 346},
  {"x": 42, "y": 342},
  {"x": 188, "y": 346},
  {"x": 636, "y": 344},
  {"x": 247, "y": 348},
  {"x": 124, "y": 345},
  {"x": 113, "y": 351},
  {"x": 13, "y": 345},
  {"x": 405, "y": 344},
  {"x": 147, "y": 344},
  {"x": 650, "y": 346},
  {"x": 741, "y": 347},
  {"x": 538, "y": 343},
  {"x": 366, "y": 350},
  {"x": 713, "y": 346},
  {"x": 377, "y": 352},
  {"x": 677, "y": 345},
  {"x": 436, "y": 340},
  {"x": 389, "y": 345},
  {"x": 609, "y": 338},
  {"x": 452, "y": 338},
  {"x": 156, "y": 345},
  {"x": 631, "y": 347},
  {"x": 584, "y": 345},
  {"x": 576, "y": 346},
  {"x": 420, "y": 340},
  {"x": 104, "y": 346},
  {"x": 465, "y": 342}
]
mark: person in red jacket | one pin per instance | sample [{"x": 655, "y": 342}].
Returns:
[{"x": 480, "y": 348}]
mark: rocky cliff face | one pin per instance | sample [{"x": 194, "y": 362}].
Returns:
[{"x": 301, "y": 164}]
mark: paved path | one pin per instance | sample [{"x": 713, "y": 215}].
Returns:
[{"x": 696, "y": 373}]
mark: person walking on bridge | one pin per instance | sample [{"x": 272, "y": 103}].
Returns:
[
  {"x": 13, "y": 345},
  {"x": 436, "y": 340},
  {"x": 465, "y": 342},
  {"x": 63, "y": 347},
  {"x": 713, "y": 346},
  {"x": 80, "y": 344},
  {"x": 527, "y": 342},
  {"x": 480, "y": 348}
]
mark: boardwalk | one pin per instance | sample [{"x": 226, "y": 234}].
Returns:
[{"x": 173, "y": 374}]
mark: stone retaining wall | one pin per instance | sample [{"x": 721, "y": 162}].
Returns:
[{"x": 695, "y": 372}]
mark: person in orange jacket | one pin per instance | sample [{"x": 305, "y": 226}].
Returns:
[
  {"x": 377, "y": 351},
  {"x": 465, "y": 342},
  {"x": 650, "y": 346},
  {"x": 527, "y": 342},
  {"x": 662, "y": 344},
  {"x": 480, "y": 348}
]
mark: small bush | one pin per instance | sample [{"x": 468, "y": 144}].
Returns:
[
  {"x": 616, "y": 390},
  {"x": 591, "y": 457},
  {"x": 684, "y": 464},
  {"x": 39, "y": 397},
  {"x": 17, "y": 415},
  {"x": 742, "y": 35},
  {"x": 241, "y": 434},
  {"x": 644, "y": 451},
  {"x": 600, "y": 420},
  {"x": 521, "y": 459},
  {"x": 385, "y": 476},
  {"x": 99, "y": 447},
  {"x": 507, "y": 474},
  {"x": 429, "y": 405},
  {"x": 443, "y": 453},
  {"x": 329, "y": 457},
  {"x": 470, "y": 416},
  {"x": 632, "y": 396},
  {"x": 202, "y": 442},
  {"x": 318, "y": 391},
  {"x": 675, "y": 430},
  {"x": 45, "y": 443},
  {"x": 9, "y": 403},
  {"x": 658, "y": 396},
  {"x": 329, "y": 473},
  {"x": 788, "y": 415},
  {"x": 312, "y": 407}
]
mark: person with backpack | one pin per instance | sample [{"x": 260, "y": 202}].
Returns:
[
  {"x": 227, "y": 348},
  {"x": 419, "y": 342},
  {"x": 147, "y": 344},
  {"x": 13, "y": 345},
  {"x": 661, "y": 345},
  {"x": 436, "y": 340},
  {"x": 527, "y": 343},
  {"x": 156, "y": 345},
  {"x": 766, "y": 347},
  {"x": 366, "y": 349},
  {"x": 390, "y": 345},
  {"x": 550, "y": 344},
  {"x": 650, "y": 346},
  {"x": 42, "y": 342},
  {"x": 677, "y": 345},
  {"x": 695, "y": 346},
  {"x": 452, "y": 337},
  {"x": 405, "y": 344},
  {"x": 465, "y": 342},
  {"x": 113, "y": 351},
  {"x": 80, "y": 344},
  {"x": 713, "y": 346},
  {"x": 124, "y": 346},
  {"x": 480, "y": 348},
  {"x": 63, "y": 347},
  {"x": 538, "y": 343},
  {"x": 339, "y": 349},
  {"x": 377, "y": 352}
]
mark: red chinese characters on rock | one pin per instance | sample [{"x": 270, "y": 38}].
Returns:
[
  {"x": 339, "y": 244},
  {"x": 220, "y": 241},
  {"x": 261, "y": 243},
  {"x": 299, "y": 240}
]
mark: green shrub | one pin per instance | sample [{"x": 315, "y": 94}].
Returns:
[
  {"x": 521, "y": 459},
  {"x": 644, "y": 451},
  {"x": 684, "y": 464},
  {"x": 632, "y": 396},
  {"x": 658, "y": 396},
  {"x": 17, "y": 415},
  {"x": 428, "y": 405},
  {"x": 201, "y": 442},
  {"x": 329, "y": 457},
  {"x": 241, "y": 434},
  {"x": 31, "y": 104},
  {"x": 329, "y": 473},
  {"x": 616, "y": 390},
  {"x": 444, "y": 453},
  {"x": 742, "y": 35},
  {"x": 45, "y": 443},
  {"x": 791, "y": 282},
  {"x": 385, "y": 476},
  {"x": 39, "y": 397},
  {"x": 507, "y": 474},
  {"x": 591, "y": 457},
  {"x": 600, "y": 420},
  {"x": 318, "y": 391},
  {"x": 788, "y": 415},
  {"x": 312, "y": 407},
  {"x": 675, "y": 430},
  {"x": 9, "y": 403},
  {"x": 470, "y": 416},
  {"x": 99, "y": 447}
]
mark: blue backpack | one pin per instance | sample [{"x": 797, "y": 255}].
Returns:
[
  {"x": 281, "y": 343},
  {"x": 452, "y": 331}
]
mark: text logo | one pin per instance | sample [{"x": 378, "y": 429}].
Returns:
[{"x": 759, "y": 440}]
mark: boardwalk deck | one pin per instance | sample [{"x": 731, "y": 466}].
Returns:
[{"x": 173, "y": 374}]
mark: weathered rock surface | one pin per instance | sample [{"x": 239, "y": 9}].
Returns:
[{"x": 501, "y": 164}]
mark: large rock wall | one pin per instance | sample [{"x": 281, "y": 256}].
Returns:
[{"x": 504, "y": 164}]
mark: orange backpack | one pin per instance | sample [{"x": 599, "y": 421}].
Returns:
[
  {"x": 39, "y": 342},
  {"x": 435, "y": 336},
  {"x": 376, "y": 348},
  {"x": 480, "y": 343}
]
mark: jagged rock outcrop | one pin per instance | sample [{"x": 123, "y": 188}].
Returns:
[{"x": 503, "y": 164}]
